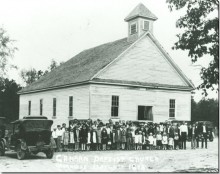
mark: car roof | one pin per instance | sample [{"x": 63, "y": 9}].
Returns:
[{"x": 28, "y": 118}]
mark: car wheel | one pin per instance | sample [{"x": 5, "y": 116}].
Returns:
[
  {"x": 2, "y": 149},
  {"x": 20, "y": 153},
  {"x": 49, "y": 153}
]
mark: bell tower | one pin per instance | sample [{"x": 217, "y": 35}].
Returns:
[{"x": 140, "y": 20}]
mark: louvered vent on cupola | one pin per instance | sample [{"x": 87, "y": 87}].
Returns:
[{"x": 139, "y": 21}]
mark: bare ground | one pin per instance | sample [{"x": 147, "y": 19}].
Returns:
[{"x": 199, "y": 160}]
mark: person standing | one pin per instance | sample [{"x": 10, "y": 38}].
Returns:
[
  {"x": 104, "y": 136},
  {"x": 77, "y": 137},
  {"x": 108, "y": 129},
  {"x": 159, "y": 140},
  {"x": 129, "y": 139},
  {"x": 118, "y": 137},
  {"x": 94, "y": 139},
  {"x": 83, "y": 134},
  {"x": 204, "y": 133},
  {"x": 123, "y": 137},
  {"x": 112, "y": 135},
  {"x": 63, "y": 129},
  {"x": 71, "y": 131},
  {"x": 183, "y": 134},
  {"x": 197, "y": 130},
  {"x": 54, "y": 135},
  {"x": 65, "y": 140},
  {"x": 59, "y": 133},
  {"x": 89, "y": 138},
  {"x": 171, "y": 131},
  {"x": 193, "y": 135},
  {"x": 176, "y": 141},
  {"x": 99, "y": 137}
]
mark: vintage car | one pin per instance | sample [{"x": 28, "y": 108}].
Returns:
[
  {"x": 2, "y": 136},
  {"x": 32, "y": 135}
]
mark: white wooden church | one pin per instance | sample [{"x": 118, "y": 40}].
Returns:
[{"x": 129, "y": 79}]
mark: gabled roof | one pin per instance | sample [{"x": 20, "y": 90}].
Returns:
[
  {"x": 141, "y": 11},
  {"x": 80, "y": 68},
  {"x": 87, "y": 65}
]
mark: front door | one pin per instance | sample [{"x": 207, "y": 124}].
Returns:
[{"x": 145, "y": 113}]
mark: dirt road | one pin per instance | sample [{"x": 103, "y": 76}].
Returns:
[{"x": 199, "y": 160}]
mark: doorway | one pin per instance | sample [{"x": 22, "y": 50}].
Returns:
[{"x": 145, "y": 113}]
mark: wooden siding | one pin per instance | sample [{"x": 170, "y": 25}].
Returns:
[
  {"x": 143, "y": 63},
  {"x": 130, "y": 98},
  {"x": 80, "y": 103}
]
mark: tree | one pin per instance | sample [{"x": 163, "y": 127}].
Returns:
[
  {"x": 7, "y": 51},
  {"x": 32, "y": 75},
  {"x": 9, "y": 99},
  {"x": 205, "y": 110},
  {"x": 200, "y": 36}
]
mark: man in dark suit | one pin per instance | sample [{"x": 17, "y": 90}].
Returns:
[
  {"x": 193, "y": 135},
  {"x": 205, "y": 134}
]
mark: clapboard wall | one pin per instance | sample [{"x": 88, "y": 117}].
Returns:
[
  {"x": 130, "y": 98},
  {"x": 143, "y": 62},
  {"x": 80, "y": 103}
]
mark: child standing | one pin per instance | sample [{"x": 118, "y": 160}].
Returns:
[
  {"x": 159, "y": 140},
  {"x": 65, "y": 139},
  {"x": 136, "y": 140},
  {"x": 176, "y": 141},
  {"x": 171, "y": 143},
  {"x": 151, "y": 140},
  {"x": 143, "y": 141},
  {"x": 154, "y": 142},
  {"x": 140, "y": 140},
  {"x": 164, "y": 141}
]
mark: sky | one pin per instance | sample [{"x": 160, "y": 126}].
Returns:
[{"x": 55, "y": 29}]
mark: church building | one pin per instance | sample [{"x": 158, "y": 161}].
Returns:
[{"x": 129, "y": 79}]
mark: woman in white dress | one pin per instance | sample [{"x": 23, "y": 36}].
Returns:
[{"x": 71, "y": 129}]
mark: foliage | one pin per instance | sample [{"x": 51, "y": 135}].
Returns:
[
  {"x": 32, "y": 75},
  {"x": 7, "y": 51},
  {"x": 205, "y": 110},
  {"x": 200, "y": 36},
  {"x": 9, "y": 99}
]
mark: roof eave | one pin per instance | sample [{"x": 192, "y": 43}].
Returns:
[
  {"x": 143, "y": 86},
  {"x": 52, "y": 88},
  {"x": 127, "y": 19}
]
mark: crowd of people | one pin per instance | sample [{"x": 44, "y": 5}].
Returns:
[{"x": 121, "y": 135}]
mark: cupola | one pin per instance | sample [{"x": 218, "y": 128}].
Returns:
[{"x": 140, "y": 20}]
